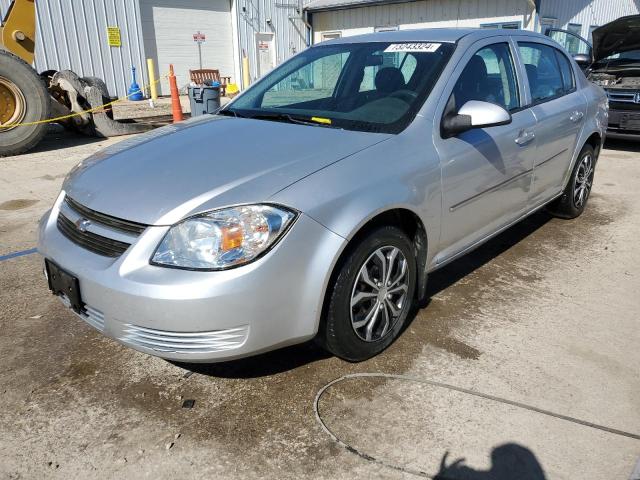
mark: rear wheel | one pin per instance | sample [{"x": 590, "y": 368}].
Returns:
[
  {"x": 576, "y": 194},
  {"x": 23, "y": 99},
  {"x": 371, "y": 296}
]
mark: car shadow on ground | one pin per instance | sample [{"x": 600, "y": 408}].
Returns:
[
  {"x": 622, "y": 145},
  {"x": 508, "y": 462},
  {"x": 285, "y": 359}
]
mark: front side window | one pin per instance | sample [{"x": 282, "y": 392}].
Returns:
[
  {"x": 489, "y": 77},
  {"x": 377, "y": 86},
  {"x": 543, "y": 71}
]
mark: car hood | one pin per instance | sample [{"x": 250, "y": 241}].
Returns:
[
  {"x": 208, "y": 162},
  {"x": 621, "y": 35}
]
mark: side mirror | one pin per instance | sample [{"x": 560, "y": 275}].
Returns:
[
  {"x": 583, "y": 60},
  {"x": 475, "y": 114}
]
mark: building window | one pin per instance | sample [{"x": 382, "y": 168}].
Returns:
[
  {"x": 591, "y": 29},
  {"x": 573, "y": 44},
  {"x": 330, "y": 35},
  {"x": 508, "y": 25}
]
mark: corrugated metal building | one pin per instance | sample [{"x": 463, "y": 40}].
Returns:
[
  {"x": 331, "y": 18},
  {"x": 583, "y": 16},
  {"x": 72, "y": 34}
]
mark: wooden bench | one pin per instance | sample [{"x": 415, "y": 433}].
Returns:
[{"x": 199, "y": 77}]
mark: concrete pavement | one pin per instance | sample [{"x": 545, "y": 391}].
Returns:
[{"x": 545, "y": 315}]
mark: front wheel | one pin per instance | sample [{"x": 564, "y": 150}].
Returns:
[
  {"x": 573, "y": 200},
  {"x": 371, "y": 296}
]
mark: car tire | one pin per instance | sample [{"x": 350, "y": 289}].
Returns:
[
  {"x": 574, "y": 199},
  {"x": 358, "y": 292}
]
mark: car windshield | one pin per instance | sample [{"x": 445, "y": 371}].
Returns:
[{"x": 375, "y": 87}]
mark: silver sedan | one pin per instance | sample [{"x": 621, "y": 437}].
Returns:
[{"x": 316, "y": 204}]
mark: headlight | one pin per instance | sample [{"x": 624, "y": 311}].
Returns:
[{"x": 223, "y": 238}]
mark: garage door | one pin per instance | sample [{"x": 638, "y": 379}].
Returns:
[{"x": 168, "y": 28}]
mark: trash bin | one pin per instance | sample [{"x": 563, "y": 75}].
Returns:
[{"x": 204, "y": 99}]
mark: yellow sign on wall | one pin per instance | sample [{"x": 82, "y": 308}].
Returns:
[{"x": 113, "y": 35}]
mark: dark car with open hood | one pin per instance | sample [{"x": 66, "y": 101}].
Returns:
[{"x": 613, "y": 63}]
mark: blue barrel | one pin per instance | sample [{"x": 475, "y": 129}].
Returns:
[{"x": 204, "y": 99}]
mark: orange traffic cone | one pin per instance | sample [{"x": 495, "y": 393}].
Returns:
[{"x": 176, "y": 108}]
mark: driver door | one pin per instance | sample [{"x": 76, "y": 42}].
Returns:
[{"x": 486, "y": 172}]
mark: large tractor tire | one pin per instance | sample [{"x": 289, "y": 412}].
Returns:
[{"x": 23, "y": 99}]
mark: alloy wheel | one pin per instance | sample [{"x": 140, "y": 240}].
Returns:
[
  {"x": 379, "y": 293},
  {"x": 583, "y": 181}
]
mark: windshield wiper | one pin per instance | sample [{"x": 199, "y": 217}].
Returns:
[
  {"x": 286, "y": 117},
  {"x": 279, "y": 117}
]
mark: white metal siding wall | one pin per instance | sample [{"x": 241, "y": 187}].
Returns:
[
  {"x": 587, "y": 12},
  {"x": 422, "y": 14},
  {"x": 286, "y": 24},
  {"x": 168, "y": 27},
  {"x": 72, "y": 34}
]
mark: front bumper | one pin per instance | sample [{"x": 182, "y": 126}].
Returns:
[
  {"x": 617, "y": 128},
  {"x": 201, "y": 316}
]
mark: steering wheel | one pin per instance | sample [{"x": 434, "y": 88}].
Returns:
[{"x": 405, "y": 95}]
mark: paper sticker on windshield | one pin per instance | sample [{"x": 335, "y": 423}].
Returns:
[{"x": 412, "y": 47}]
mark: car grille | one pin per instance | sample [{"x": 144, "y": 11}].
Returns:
[
  {"x": 184, "y": 342},
  {"x": 106, "y": 220},
  {"x": 91, "y": 241},
  {"x": 622, "y": 97}
]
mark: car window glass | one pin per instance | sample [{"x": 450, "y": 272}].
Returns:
[
  {"x": 365, "y": 86},
  {"x": 543, "y": 72},
  {"x": 406, "y": 62},
  {"x": 489, "y": 77},
  {"x": 566, "y": 71},
  {"x": 311, "y": 82}
]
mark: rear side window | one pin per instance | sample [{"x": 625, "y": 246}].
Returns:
[
  {"x": 567, "y": 72},
  {"x": 543, "y": 71}
]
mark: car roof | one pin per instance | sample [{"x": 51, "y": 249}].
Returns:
[{"x": 450, "y": 35}]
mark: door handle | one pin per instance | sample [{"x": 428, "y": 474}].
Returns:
[
  {"x": 525, "y": 138},
  {"x": 576, "y": 116}
]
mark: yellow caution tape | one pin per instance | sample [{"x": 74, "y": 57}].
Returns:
[{"x": 76, "y": 114}]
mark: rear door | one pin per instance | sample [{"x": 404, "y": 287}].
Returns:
[
  {"x": 486, "y": 172},
  {"x": 559, "y": 108}
]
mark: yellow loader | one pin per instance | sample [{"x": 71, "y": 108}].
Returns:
[{"x": 28, "y": 99}]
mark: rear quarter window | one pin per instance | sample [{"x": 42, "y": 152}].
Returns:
[{"x": 568, "y": 79}]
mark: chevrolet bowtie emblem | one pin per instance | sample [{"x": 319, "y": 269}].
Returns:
[{"x": 82, "y": 224}]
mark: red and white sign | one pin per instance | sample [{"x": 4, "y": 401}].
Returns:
[
  {"x": 263, "y": 45},
  {"x": 199, "y": 37}
]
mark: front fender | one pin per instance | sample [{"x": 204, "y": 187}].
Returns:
[{"x": 403, "y": 172}]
